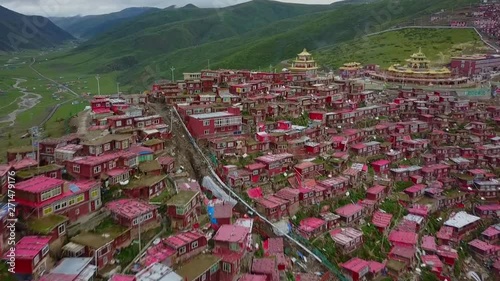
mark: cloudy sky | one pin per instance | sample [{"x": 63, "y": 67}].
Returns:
[{"x": 87, "y": 7}]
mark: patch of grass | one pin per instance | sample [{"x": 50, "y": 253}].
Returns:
[{"x": 127, "y": 255}]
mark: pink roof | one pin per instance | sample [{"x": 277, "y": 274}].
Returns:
[
  {"x": 271, "y": 201},
  {"x": 255, "y": 166},
  {"x": 23, "y": 163},
  {"x": 358, "y": 146},
  {"x": 231, "y": 233},
  {"x": 403, "y": 237},
  {"x": 355, "y": 265},
  {"x": 254, "y": 193},
  {"x": 29, "y": 246},
  {"x": 274, "y": 245},
  {"x": 129, "y": 208},
  {"x": 101, "y": 110},
  {"x": 420, "y": 210},
  {"x": 311, "y": 224},
  {"x": 303, "y": 165},
  {"x": 381, "y": 162},
  {"x": 492, "y": 231},
  {"x": 432, "y": 260},
  {"x": 429, "y": 243},
  {"x": 39, "y": 184},
  {"x": 375, "y": 267},
  {"x": 122, "y": 277},
  {"x": 264, "y": 265},
  {"x": 96, "y": 160},
  {"x": 445, "y": 232},
  {"x": 287, "y": 193},
  {"x": 490, "y": 207},
  {"x": 447, "y": 251},
  {"x": 116, "y": 172},
  {"x": 481, "y": 245},
  {"x": 223, "y": 210},
  {"x": 405, "y": 252},
  {"x": 415, "y": 188},
  {"x": 165, "y": 160},
  {"x": 376, "y": 189},
  {"x": 348, "y": 210},
  {"x": 253, "y": 277},
  {"x": 4, "y": 168},
  {"x": 381, "y": 219},
  {"x": 180, "y": 239}
]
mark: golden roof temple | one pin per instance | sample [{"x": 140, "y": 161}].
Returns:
[
  {"x": 304, "y": 63},
  {"x": 417, "y": 70}
]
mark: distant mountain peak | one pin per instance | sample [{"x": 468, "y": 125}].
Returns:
[{"x": 190, "y": 6}]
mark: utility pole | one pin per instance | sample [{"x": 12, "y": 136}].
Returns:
[
  {"x": 35, "y": 139},
  {"x": 97, "y": 77},
  {"x": 140, "y": 244},
  {"x": 208, "y": 64},
  {"x": 118, "y": 88},
  {"x": 172, "y": 69}
]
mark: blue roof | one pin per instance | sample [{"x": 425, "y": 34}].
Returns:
[
  {"x": 74, "y": 188},
  {"x": 4, "y": 209}
]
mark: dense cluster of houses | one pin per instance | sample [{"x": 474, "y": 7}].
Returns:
[
  {"x": 301, "y": 141},
  {"x": 287, "y": 142}
]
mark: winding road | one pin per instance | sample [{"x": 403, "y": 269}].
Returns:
[{"x": 28, "y": 101}]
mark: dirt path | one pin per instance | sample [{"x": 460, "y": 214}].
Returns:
[{"x": 28, "y": 101}]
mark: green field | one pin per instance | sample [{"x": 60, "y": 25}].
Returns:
[
  {"x": 70, "y": 105},
  {"x": 394, "y": 47}
]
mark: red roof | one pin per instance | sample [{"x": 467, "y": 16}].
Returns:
[
  {"x": 481, "y": 245},
  {"x": 415, "y": 188},
  {"x": 180, "y": 239},
  {"x": 404, "y": 252},
  {"x": 255, "y": 166},
  {"x": 429, "y": 243},
  {"x": 39, "y": 184},
  {"x": 489, "y": 207},
  {"x": 264, "y": 266},
  {"x": 447, "y": 251},
  {"x": 311, "y": 224},
  {"x": 231, "y": 233},
  {"x": 375, "y": 267},
  {"x": 223, "y": 210},
  {"x": 254, "y": 193},
  {"x": 29, "y": 246},
  {"x": 376, "y": 189},
  {"x": 432, "y": 260},
  {"x": 165, "y": 160},
  {"x": 129, "y": 208},
  {"x": 271, "y": 201},
  {"x": 274, "y": 245},
  {"x": 348, "y": 210},
  {"x": 4, "y": 168},
  {"x": 491, "y": 231},
  {"x": 381, "y": 162},
  {"x": 381, "y": 219},
  {"x": 355, "y": 265},
  {"x": 445, "y": 232},
  {"x": 122, "y": 277},
  {"x": 420, "y": 210},
  {"x": 403, "y": 237}
]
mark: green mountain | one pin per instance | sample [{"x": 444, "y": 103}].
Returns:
[
  {"x": 251, "y": 35},
  {"x": 18, "y": 32},
  {"x": 85, "y": 27}
]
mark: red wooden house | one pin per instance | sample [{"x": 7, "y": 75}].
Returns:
[
  {"x": 91, "y": 167},
  {"x": 230, "y": 244},
  {"x": 167, "y": 163},
  {"x": 42, "y": 196},
  {"x": 462, "y": 224},
  {"x": 376, "y": 192},
  {"x": 273, "y": 207},
  {"x": 266, "y": 266},
  {"x": 309, "y": 169},
  {"x": 186, "y": 245},
  {"x": 184, "y": 208},
  {"x": 106, "y": 144},
  {"x": 415, "y": 191},
  {"x": 490, "y": 210},
  {"x": 348, "y": 239},
  {"x": 276, "y": 163},
  {"x": 256, "y": 171},
  {"x": 29, "y": 257},
  {"x": 483, "y": 250},
  {"x": 53, "y": 226},
  {"x": 130, "y": 213},
  {"x": 47, "y": 147},
  {"x": 350, "y": 213},
  {"x": 403, "y": 238},
  {"x": 215, "y": 124},
  {"x": 291, "y": 195},
  {"x": 4, "y": 177},
  {"x": 381, "y": 220},
  {"x": 311, "y": 227},
  {"x": 381, "y": 167},
  {"x": 335, "y": 186},
  {"x": 356, "y": 268}
]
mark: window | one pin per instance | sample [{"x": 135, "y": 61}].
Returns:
[
  {"x": 97, "y": 169},
  {"x": 214, "y": 268},
  {"x": 207, "y": 132},
  {"x": 255, "y": 172},
  {"x": 80, "y": 198},
  {"x": 61, "y": 229},
  {"x": 156, "y": 121},
  {"x": 49, "y": 150},
  {"x": 179, "y": 210},
  {"x": 226, "y": 267},
  {"x": 47, "y": 210},
  {"x": 194, "y": 245},
  {"x": 129, "y": 122},
  {"x": 107, "y": 147},
  {"x": 182, "y": 250},
  {"x": 45, "y": 250},
  {"x": 112, "y": 164},
  {"x": 151, "y": 191},
  {"x": 105, "y": 260},
  {"x": 36, "y": 260},
  {"x": 118, "y": 123},
  {"x": 125, "y": 144},
  {"x": 76, "y": 168},
  {"x": 95, "y": 193},
  {"x": 53, "y": 175}
]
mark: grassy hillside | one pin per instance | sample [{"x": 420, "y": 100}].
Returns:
[
  {"x": 18, "y": 32},
  {"x": 394, "y": 47},
  {"x": 250, "y": 35},
  {"x": 90, "y": 26}
]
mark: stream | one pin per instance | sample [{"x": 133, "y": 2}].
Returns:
[{"x": 27, "y": 101}]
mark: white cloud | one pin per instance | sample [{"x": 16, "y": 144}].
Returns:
[{"x": 92, "y": 7}]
